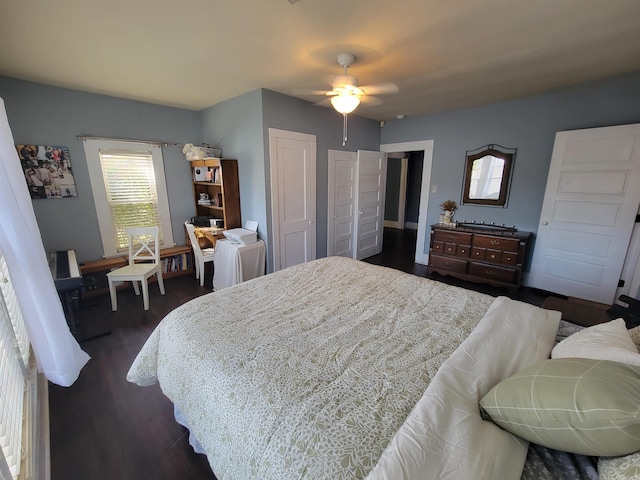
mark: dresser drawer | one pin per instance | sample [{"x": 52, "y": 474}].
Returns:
[
  {"x": 496, "y": 243},
  {"x": 492, "y": 255},
  {"x": 438, "y": 247},
  {"x": 449, "y": 248},
  {"x": 509, "y": 258},
  {"x": 452, "y": 237},
  {"x": 446, "y": 263},
  {"x": 478, "y": 253},
  {"x": 492, "y": 272},
  {"x": 463, "y": 251}
]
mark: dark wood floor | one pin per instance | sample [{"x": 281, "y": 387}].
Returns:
[
  {"x": 103, "y": 427},
  {"x": 399, "y": 252}
]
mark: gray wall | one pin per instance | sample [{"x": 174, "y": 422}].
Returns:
[
  {"x": 288, "y": 113},
  {"x": 53, "y": 116},
  {"x": 238, "y": 124},
  {"x": 392, "y": 195},
  {"x": 43, "y": 115},
  {"x": 243, "y": 122},
  {"x": 414, "y": 185},
  {"x": 530, "y": 126}
]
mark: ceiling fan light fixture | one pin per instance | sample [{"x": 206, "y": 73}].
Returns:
[{"x": 345, "y": 103}]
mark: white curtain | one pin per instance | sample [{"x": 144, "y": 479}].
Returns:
[{"x": 59, "y": 356}]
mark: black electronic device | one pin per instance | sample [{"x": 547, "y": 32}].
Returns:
[{"x": 202, "y": 220}]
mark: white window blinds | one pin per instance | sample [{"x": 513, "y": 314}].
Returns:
[
  {"x": 129, "y": 190},
  {"x": 130, "y": 185},
  {"x": 14, "y": 378}
]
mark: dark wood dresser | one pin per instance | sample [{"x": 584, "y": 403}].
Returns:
[{"x": 481, "y": 253}]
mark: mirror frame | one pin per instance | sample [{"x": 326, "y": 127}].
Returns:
[{"x": 508, "y": 155}]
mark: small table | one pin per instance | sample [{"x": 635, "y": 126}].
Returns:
[{"x": 235, "y": 263}]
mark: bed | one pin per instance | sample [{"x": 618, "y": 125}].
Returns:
[{"x": 338, "y": 369}]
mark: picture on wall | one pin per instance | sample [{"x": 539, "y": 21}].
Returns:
[{"x": 47, "y": 171}]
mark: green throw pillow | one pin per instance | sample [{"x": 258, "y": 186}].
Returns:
[{"x": 585, "y": 406}]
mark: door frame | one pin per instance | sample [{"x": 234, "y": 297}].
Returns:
[{"x": 427, "y": 147}]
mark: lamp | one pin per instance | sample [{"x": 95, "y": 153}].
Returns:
[{"x": 345, "y": 102}]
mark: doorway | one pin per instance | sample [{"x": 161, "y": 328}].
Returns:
[{"x": 425, "y": 148}]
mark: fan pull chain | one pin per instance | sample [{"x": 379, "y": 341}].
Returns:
[{"x": 344, "y": 130}]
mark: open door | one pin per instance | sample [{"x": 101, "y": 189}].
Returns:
[
  {"x": 588, "y": 213},
  {"x": 342, "y": 198},
  {"x": 372, "y": 174}
]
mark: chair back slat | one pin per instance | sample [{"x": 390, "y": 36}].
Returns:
[
  {"x": 191, "y": 230},
  {"x": 143, "y": 245}
]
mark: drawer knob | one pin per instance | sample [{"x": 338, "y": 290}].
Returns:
[{"x": 494, "y": 242}]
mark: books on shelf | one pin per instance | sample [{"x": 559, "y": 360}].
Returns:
[{"x": 176, "y": 263}]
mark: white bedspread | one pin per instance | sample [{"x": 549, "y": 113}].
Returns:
[
  {"x": 310, "y": 372},
  {"x": 445, "y": 438}
]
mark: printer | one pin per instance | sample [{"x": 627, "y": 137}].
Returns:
[{"x": 244, "y": 236}]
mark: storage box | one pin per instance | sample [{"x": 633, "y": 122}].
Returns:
[{"x": 241, "y": 235}]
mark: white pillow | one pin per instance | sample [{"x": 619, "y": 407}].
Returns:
[{"x": 605, "y": 341}]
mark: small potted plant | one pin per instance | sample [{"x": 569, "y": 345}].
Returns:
[{"x": 449, "y": 207}]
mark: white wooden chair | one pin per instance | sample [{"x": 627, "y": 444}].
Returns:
[
  {"x": 201, "y": 255},
  {"x": 144, "y": 262}
]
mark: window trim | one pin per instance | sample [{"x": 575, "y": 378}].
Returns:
[{"x": 92, "y": 149}]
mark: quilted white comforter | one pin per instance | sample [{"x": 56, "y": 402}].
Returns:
[{"x": 309, "y": 373}]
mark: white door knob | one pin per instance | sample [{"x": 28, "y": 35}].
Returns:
[{"x": 544, "y": 222}]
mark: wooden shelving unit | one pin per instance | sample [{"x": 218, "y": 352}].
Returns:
[{"x": 223, "y": 190}]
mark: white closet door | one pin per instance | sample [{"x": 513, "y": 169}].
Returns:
[
  {"x": 342, "y": 198},
  {"x": 293, "y": 197},
  {"x": 372, "y": 174}
]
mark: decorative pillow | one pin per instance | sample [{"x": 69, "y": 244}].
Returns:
[
  {"x": 634, "y": 333},
  {"x": 605, "y": 341},
  {"x": 619, "y": 468},
  {"x": 577, "y": 405}
]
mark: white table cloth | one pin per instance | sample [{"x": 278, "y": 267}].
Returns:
[{"x": 235, "y": 263}]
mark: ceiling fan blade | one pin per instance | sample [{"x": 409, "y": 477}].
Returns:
[
  {"x": 303, "y": 91},
  {"x": 369, "y": 101},
  {"x": 323, "y": 103},
  {"x": 380, "y": 89}
]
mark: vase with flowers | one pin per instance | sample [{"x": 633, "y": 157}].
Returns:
[{"x": 449, "y": 208}]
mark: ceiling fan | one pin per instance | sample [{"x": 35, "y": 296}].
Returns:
[{"x": 346, "y": 95}]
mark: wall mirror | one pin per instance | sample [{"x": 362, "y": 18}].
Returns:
[{"x": 487, "y": 175}]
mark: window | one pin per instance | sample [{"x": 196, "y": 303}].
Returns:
[
  {"x": 15, "y": 378},
  {"x": 129, "y": 190}
]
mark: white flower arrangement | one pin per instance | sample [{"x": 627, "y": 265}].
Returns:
[{"x": 192, "y": 152}]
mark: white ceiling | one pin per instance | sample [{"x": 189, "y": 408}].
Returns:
[{"x": 443, "y": 55}]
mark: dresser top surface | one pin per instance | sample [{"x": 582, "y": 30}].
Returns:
[{"x": 481, "y": 229}]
